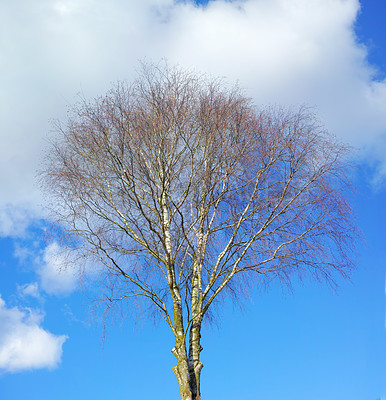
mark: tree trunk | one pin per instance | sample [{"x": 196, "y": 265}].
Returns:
[
  {"x": 181, "y": 370},
  {"x": 195, "y": 365},
  {"x": 188, "y": 370}
]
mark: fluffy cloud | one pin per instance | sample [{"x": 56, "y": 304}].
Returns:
[
  {"x": 57, "y": 276},
  {"x": 15, "y": 219},
  {"x": 29, "y": 289},
  {"x": 288, "y": 51},
  {"x": 24, "y": 344},
  {"x": 282, "y": 51},
  {"x": 56, "y": 271}
]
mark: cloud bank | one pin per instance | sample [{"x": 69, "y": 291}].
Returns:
[
  {"x": 281, "y": 51},
  {"x": 24, "y": 344}
]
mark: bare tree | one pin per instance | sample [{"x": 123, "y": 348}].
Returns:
[{"x": 180, "y": 186}]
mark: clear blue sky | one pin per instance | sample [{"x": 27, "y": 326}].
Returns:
[{"x": 308, "y": 343}]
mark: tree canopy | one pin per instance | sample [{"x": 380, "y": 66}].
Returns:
[{"x": 182, "y": 189}]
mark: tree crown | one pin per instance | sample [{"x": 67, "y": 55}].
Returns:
[{"x": 178, "y": 185}]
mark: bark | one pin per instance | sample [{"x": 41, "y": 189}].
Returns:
[
  {"x": 188, "y": 369},
  {"x": 195, "y": 365},
  {"x": 181, "y": 370}
]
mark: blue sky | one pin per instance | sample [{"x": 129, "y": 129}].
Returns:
[{"x": 310, "y": 342}]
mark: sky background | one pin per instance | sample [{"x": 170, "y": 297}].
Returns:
[{"x": 310, "y": 342}]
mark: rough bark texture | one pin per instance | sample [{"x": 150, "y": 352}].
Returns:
[
  {"x": 188, "y": 368},
  {"x": 195, "y": 365},
  {"x": 181, "y": 370}
]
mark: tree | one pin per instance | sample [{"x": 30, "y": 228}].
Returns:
[{"x": 183, "y": 190}]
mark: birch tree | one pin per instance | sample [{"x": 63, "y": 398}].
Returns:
[{"x": 183, "y": 189}]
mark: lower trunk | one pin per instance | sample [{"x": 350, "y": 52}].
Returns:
[
  {"x": 183, "y": 383},
  {"x": 181, "y": 370},
  {"x": 195, "y": 365},
  {"x": 187, "y": 373},
  {"x": 194, "y": 380}
]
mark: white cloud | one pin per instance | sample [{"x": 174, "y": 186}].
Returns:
[
  {"x": 15, "y": 219},
  {"x": 24, "y": 344},
  {"x": 57, "y": 275},
  {"x": 23, "y": 253},
  {"x": 282, "y": 51},
  {"x": 57, "y": 272},
  {"x": 288, "y": 51},
  {"x": 29, "y": 289}
]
